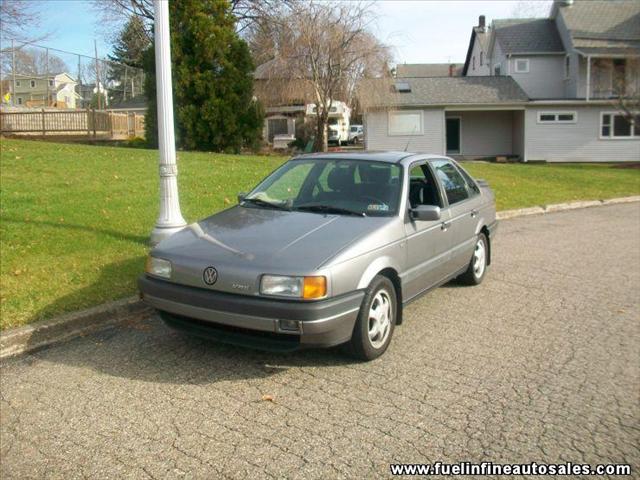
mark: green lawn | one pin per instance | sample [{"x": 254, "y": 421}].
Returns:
[{"x": 75, "y": 219}]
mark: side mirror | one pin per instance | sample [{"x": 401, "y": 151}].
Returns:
[
  {"x": 241, "y": 196},
  {"x": 426, "y": 213}
]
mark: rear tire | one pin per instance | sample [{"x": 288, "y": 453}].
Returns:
[
  {"x": 478, "y": 264},
  {"x": 376, "y": 320}
]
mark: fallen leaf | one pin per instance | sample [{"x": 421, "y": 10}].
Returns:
[
  {"x": 226, "y": 201},
  {"x": 17, "y": 272},
  {"x": 268, "y": 398}
]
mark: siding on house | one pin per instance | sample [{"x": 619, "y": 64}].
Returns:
[
  {"x": 579, "y": 142},
  {"x": 485, "y": 133},
  {"x": 483, "y": 69},
  {"x": 431, "y": 141},
  {"x": 571, "y": 84},
  {"x": 518, "y": 134},
  {"x": 499, "y": 58},
  {"x": 545, "y": 78}
]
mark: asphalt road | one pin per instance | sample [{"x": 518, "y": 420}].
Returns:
[{"x": 539, "y": 363}]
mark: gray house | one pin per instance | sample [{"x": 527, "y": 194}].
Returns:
[{"x": 536, "y": 89}]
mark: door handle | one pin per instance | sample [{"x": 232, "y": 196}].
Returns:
[
  {"x": 474, "y": 213},
  {"x": 444, "y": 226}
]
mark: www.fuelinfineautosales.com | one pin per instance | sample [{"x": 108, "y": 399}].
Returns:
[{"x": 489, "y": 468}]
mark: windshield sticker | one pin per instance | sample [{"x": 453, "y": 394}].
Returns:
[{"x": 378, "y": 207}]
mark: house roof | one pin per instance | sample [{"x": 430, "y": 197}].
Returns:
[
  {"x": 426, "y": 91},
  {"x": 427, "y": 69},
  {"x": 527, "y": 35},
  {"x": 603, "y": 27}
]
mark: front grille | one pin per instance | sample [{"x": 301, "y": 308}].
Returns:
[{"x": 235, "y": 335}]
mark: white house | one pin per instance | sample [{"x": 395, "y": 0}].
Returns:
[{"x": 536, "y": 89}]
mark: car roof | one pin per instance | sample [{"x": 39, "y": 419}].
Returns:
[{"x": 388, "y": 157}]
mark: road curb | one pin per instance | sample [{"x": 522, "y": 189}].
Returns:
[
  {"x": 47, "y": 332},
  {"x": 559, "y": 207}
]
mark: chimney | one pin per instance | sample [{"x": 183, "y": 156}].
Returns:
[
  {"x": 481, "y": 22},
  {"x": 451, "y": 67}
]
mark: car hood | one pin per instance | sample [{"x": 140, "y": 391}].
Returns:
[{"x": 259, "y": 240}]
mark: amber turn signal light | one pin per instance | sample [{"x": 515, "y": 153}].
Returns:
[{"x": 314, "y": 287}]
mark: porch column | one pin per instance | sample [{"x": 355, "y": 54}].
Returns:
[{"x": 588, "y": 77}]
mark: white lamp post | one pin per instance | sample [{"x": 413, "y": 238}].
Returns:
[{"x": 170, "y": 219}]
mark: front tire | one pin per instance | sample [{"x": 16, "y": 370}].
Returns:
[
  {"x": 376, "y": 320},
  {"x": 478, "y": 264}
]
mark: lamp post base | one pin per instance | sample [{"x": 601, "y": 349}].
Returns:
[{"x": 160, "y": 233}]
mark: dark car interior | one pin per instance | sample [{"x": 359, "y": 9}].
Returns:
[
  {"x": 422, "y": 188},
  {"x": 363, "y": 185}
]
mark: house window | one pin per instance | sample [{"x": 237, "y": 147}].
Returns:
[
  {"x": 496, "y": 71},
  {"x": 51, "y": 83},
  {"x": 473, "y": 62},
  {"x": 17, "y": 83},
  {"x": 616, "y": 125},
  {"x": 19, "y": 100},
  {"x": 33, "y": 83},
  {"x": 522, "y": 65},
  {"x": 567, "y": 66},
  {"x": 557, "y": 117},
  {"x": 481, "y": 58},
  {"x": 405, "y": 122}
]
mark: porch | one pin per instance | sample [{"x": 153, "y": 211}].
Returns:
[{"x": 476, "y": 134}]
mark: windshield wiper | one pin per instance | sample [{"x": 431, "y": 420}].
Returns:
[
  {"x": 316, "y": 207},
  {"x": 264, "y": 203}
]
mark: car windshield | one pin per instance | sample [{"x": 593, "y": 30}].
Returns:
[{"x": 338, "y": 186}]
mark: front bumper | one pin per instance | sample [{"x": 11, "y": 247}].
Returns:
[{"x": 253, "y": 321}]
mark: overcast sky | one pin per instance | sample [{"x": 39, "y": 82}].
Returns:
[
  {"x": 422, "y": 31},
  {"x": 419, "y": 31}
]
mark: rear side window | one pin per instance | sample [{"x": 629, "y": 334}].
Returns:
[
  {"x": 452, "y": 181},
  {"x": 473, "y": 187}
]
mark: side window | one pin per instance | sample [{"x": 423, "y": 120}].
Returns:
[
  {"x": 452, "y": 181},
  {"x": 471, "y": 184},
  {"x": 422, "y": 187}
]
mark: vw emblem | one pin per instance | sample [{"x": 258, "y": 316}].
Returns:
[{"x": 210, "y": 275}]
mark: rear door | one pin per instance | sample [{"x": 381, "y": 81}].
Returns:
[
  {"x": 428, "y": 243},
  {"x": 463, "y": 203}
]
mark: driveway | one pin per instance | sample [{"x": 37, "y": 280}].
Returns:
[{"x": 539, "y": 363}]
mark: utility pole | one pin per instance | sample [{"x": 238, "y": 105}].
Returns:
[
  {"x": 95, "y": 48},
  {"x": 46, "y": 77},
  {"x": 13, "y": 72},
  {"x": 170, "y": 219}
]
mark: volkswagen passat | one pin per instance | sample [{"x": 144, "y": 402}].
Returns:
[{"x": 325, "y": 251}]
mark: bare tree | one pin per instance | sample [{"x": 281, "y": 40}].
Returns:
[
  {"x": 32, "y": 61},
  {"x": 15, "y": 15},
  {"x": 325, "y": 47},
  {"x": 626, "y": 91},
  {"x": 532, "y": 9},
  {"x": 115, "y": 12}
]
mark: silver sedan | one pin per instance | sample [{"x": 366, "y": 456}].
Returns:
[{"x": 325, "y": 251}]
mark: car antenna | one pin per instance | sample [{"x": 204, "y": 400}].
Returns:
[{"x": 409, "y": 141}]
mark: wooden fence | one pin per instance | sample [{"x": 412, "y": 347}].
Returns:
[{"x": 97, "y": 124}]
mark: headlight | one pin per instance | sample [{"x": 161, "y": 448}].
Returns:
[
  {"x": 297, "y": 287},
  {"x": 158, "y": 267}
]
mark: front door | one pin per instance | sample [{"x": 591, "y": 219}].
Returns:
[
  {"x": 428, "y": 243},
  {"x": 453, "y": 135},
  {"x": 462, "y": 211}
]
